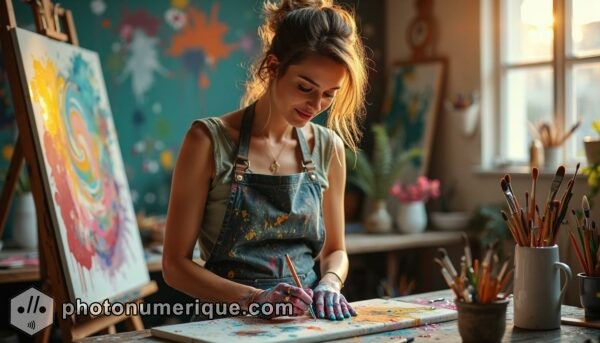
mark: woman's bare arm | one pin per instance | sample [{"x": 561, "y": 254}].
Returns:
[{"x": 191, "y": 180}]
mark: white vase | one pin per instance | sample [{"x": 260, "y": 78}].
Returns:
[
  {"x": 24, "y": 226},
  {"x": 412, "y": 217},
  {"x": 379, "y": 219}
]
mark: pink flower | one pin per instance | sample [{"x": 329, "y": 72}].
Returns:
[{"x": 421, "y": 190}]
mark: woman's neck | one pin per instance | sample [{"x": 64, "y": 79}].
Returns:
[{"x": 272, "y": 126}]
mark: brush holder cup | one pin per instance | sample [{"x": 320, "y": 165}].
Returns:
[
  {"x": 537, "y": 290},
  {"x": 481, "y": 322},
  {"x": 552, "y": 157},
  {"x": 589, "y": 294}
]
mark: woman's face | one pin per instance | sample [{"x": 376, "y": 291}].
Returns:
[{"x": 307, "y": 89}]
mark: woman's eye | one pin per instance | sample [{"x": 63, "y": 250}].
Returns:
[
  {"x": 304, "y": 89},
  {"x": 328, "y": 95}
]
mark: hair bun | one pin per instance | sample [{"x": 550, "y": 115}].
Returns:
[{"x": 275, "y": 13}]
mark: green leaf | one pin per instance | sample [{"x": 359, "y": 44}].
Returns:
[{"x": 360, "y": 172}]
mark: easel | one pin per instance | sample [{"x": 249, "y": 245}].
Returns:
[{"x": 56, "y": 23}]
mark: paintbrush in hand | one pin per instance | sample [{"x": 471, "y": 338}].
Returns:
[{"x": 298, "y": 283}]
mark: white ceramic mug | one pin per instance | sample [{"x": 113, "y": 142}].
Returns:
[{"x": 537, "y": 291}]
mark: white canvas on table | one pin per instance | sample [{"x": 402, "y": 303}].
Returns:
[
  {"x": 374, "y": 316},
  {"x": 82, "y": 167}
]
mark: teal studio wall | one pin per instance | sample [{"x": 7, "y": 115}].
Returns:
[{"x": 165, "y": 63}]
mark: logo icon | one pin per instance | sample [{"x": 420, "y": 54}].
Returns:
[{"x": 31, "y": 311}]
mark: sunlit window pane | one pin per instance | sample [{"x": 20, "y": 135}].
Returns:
[
  {"x": 527, "y": 30},
  {"x": 528, "y": 98},
  {"x": 586, "y": 105},
  {"x": 585, "y": 28}
]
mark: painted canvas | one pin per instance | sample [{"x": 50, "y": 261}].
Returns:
[
  {"x": 411, "y": 105},
  {"x": 84, "y": 176},
  {"x": 374, "y": 316}
]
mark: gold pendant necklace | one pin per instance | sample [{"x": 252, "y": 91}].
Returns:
[{"x": 274, "y": 167}]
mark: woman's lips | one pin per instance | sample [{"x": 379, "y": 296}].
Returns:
[{"x": 303, "y": 115}]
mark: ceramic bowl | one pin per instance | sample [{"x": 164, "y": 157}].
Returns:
[{"x": 450, "y": 220}]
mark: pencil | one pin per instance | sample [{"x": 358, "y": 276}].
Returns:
[{"x": 298, "y": 283}]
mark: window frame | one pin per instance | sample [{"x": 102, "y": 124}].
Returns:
[{"x": 493, "y": 79}]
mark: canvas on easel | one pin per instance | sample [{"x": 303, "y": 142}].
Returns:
[
  {"x": 82, "y": 169},
  {"x": 89, "y": 245}
]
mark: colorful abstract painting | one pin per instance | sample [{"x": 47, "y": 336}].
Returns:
[
  {"x": 375, "y": 315},
  {"x": 83, "y": 169}
]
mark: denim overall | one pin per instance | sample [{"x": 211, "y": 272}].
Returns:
[{"x": 267, "y": 217}]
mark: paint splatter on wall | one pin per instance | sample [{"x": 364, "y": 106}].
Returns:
[{"x": 166, "y": 63}]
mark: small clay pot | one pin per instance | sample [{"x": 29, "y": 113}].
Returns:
[
  {"x": 481, "y": 322},
  {"x": 589, "y": 291}
]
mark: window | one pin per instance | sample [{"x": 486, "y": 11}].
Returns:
[{"x": 548, "y": 69}]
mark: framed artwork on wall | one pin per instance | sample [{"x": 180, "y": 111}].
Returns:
[{"x": 412, "y": 102}]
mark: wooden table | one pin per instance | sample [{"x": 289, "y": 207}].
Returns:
[
  {"x": 443, "y": 332},
  {"x": 355, "y": 244}
]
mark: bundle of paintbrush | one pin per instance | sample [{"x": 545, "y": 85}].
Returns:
[
  {"x": 483, "y": 282},
  {"x": 527, "y": 225},
  {"x": 550, "y": 134},
  {"x": 588, "y": 251}
]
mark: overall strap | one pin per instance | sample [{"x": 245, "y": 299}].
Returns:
[
  {"x": 307, "y": 162},
  {"x": 241, "y": 161}
]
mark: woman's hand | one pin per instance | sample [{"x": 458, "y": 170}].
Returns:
[
  {"x": 330, "y": 303},
  {"x": 300, "y": 298}
]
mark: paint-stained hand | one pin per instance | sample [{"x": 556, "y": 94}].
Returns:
[
  {"x": 330, "y": 303},
  {"x": 300, "y": 298}
]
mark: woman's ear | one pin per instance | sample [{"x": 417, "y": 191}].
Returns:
[{"x": 272, "y": 64}]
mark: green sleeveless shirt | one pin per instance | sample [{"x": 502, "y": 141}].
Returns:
[{"x": 224, "y": 150}]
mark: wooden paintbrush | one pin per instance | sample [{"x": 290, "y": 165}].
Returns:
[
  {"x": 298, "y": 283},
  {"x": 509, "y": 196},
  {"x": 534, "y": 176},
  {"x": 558, "y": 178}
]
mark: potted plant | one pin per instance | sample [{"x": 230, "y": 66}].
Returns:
[{"x": 375, "y": 177}]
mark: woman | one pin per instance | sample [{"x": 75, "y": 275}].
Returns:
[{"x": 262, "y": 182}]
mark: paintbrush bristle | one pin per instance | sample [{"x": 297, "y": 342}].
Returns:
[
  {"x": 585, "y": 204},
  {"x": 504, "y": 215},
  {"x": 507, "y": 178},
  {"x": 503, "y": 184},
  {"x": 560, "y": 171},
  {"x": 442, "y": 253},
  {"x": 534, "y": 173}
]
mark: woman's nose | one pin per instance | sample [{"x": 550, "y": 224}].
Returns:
[{"x": 315, "y": 103}]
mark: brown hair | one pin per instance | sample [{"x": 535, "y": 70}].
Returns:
[{"x": 294, "y": 29}]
